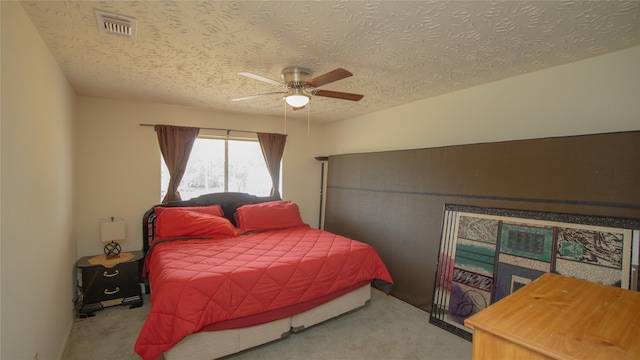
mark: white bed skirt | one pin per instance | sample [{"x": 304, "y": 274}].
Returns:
[{"x": 215, "y": 344}]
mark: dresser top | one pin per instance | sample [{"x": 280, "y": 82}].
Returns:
[
  {"x": 566, "y": 318},
  {"x": 86, "y": 261}
]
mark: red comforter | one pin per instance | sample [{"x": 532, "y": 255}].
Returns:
[{"x": 200, "y": 282}]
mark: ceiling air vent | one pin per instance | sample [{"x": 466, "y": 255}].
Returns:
[{"x": 112, "y": 24}]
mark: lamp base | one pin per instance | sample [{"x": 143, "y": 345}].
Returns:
[{"x": 112, "y": 250}]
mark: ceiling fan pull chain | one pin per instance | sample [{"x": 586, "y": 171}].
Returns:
[
  {"x": 308, "y": 119},
  {"x": 285, "y": 117}
]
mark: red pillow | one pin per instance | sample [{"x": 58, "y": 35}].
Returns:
[
  {"x": 211, "y": 209},
  {"x": 270, "y": 215},
  {"x": 184, "y": 223}
]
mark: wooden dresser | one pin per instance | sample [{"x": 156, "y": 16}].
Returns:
[{"x": 556, "y": 317}]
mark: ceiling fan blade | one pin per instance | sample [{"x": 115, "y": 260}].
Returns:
[
  {"x": 331, "y": 76},
  {"x": 255, "y": 96},
  {"x": 338, "y": 95},
  {"x": 261, "y": 78}
]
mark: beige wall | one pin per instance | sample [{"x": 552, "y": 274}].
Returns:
[
  {"x": 596, "y": 95},
  {"x": 118, "y": 162},
  {"x": 38, "y": 237}
]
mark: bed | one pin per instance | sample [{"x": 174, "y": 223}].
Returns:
[{"x": 230, "y": 271}]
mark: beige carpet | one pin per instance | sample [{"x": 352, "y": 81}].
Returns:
[{"x": 386, "y": 329}]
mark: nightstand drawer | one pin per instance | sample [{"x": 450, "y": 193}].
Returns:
[
  {"x": 100, "y": 275},
  {"x": 112, "y": 291}
]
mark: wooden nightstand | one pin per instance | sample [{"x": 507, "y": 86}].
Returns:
[{"x": 104, "y": 284}]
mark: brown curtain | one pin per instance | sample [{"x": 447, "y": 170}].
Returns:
[
  {"x": 272, "y": 148},
  {"x": 175, "y": 143}
]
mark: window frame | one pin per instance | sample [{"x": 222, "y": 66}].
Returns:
[{"x": 226, "y": 136}]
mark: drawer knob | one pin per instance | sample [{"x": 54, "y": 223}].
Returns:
[
  {"x": 107, "y": 292},
  {"x": 106, "y": 274}
]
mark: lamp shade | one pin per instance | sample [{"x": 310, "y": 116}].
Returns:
[
  {"x": 297, "y": 98},
  {"x": 114, "y": 229}
]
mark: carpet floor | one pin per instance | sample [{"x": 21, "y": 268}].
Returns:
[{"x": 387, "y": 328}]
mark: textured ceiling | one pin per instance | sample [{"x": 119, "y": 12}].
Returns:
[{"x": 189, "y": 52}]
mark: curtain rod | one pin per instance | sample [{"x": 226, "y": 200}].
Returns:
[{"x": 207, "y": 128}]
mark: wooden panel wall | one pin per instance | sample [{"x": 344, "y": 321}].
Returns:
[{"x": 394, "y": 200}]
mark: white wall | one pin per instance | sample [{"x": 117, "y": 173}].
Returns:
[
  {"x": 597, "y": 95},
  {"x": 118, "y": 162},
  {"x": 38, "y": 239}
]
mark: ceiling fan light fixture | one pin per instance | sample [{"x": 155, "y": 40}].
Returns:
[{"x": 297, "y": 98}]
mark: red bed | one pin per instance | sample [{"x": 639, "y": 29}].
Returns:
[{"x": 243, "y": 264}]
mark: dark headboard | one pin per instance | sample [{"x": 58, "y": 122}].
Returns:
[{"x": 228, "y": 201}]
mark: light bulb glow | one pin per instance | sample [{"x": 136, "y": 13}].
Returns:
[{"x": 297, "y": 98}]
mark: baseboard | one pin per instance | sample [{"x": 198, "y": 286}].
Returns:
[{"x": 66, "y": 337}]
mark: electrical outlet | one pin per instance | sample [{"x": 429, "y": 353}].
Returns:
[{"x": 35, "y": 356}]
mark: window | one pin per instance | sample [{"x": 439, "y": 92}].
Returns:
[{"x": 221, "y": 165}]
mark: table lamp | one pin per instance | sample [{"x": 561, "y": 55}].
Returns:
[{"x": 112, "y": 230}]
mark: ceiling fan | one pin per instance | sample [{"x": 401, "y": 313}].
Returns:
[{"x": 300, "y": 86}]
